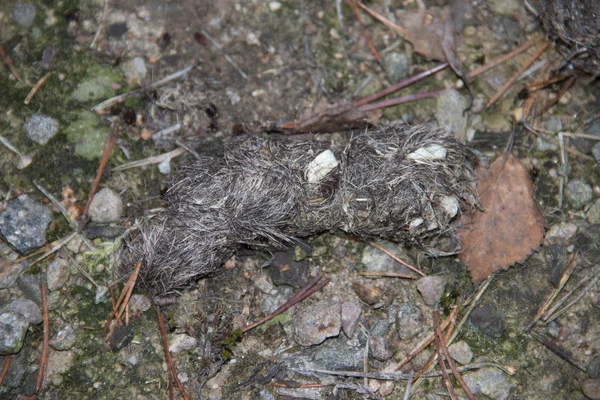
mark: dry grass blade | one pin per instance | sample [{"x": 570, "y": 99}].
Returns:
[
  {"x": 46, "y": 337},
  {"x": 169, "y": 360},
  {"x": 387, "y": 274},
  {"x": 396, "y": 28},
  {"x": 502, "y": 59},
  {"x": 36, "y": 88},
  {"x": 399, "y": 261},
  {"x": 150, "y": 160}
]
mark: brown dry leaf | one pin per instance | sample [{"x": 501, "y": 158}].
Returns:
[{"x": 512, "y": 225}]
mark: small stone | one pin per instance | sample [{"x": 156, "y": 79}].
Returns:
[
  {"x": 596, "y": 151},
  {"x": 23, "y": 14},
  {"x": 164, "y": 167},
  {"x": 30, "y": 286},
  {"x": 315, "y": 323},
  {"x": 134, "y": 70},
  {"x": 9, "y": 272},
  {"x": 322, "y": 165},
  {"x": 396, "y": 66},
  {"x": 41, "y": 128},
  {"x": 367, "y": 293},
  {"x": 106, "y": 206},
  {"x": 489, "y": 320},
  {"x": 431, "y": 152},
  {"x": 350, "y": 316},
  {"x": 450, "y": 113},
  {"x": 271, "y": 302},
  {"x": 121, "y": 337},
  {"x": 139, "y": 302},
  {"x": 13, "y": 328},
  {"x": 234, "y": 98},
  {"x": 593, "y": 214},
  {"x": 285, "y": 270},
  {"x": 23, "y": 224},
  {"x": 380, "y": 347},
  {"x": 593, "y": 368},
  {"x": 131, "y": 360},
  {"x": 409, "y": 322},
  {"x": 182, "y": 342},
  {"x": 116, "y": 30},
  {"x": 386, "y": 388},
  {"x": 64, "y": 339},
  {"x": 57, "y": 274},
  {"x": 252, "y": 39},
  {"x": 275, "y": 6},
  {"x": 491, "y": 382},
  {"x": 431, "y": 288},
  {"x": 578, "y": 193},
  {"x": 25, "y": 307},
  {"x": 591, "y": 388},
  {"x": 461, "y": 352},
  {"x": 560, "y": 234}
]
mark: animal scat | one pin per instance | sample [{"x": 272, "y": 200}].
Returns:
[{"x": 256, "y": 193}]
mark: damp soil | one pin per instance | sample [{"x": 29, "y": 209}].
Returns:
[{"x": 256, "y": 64}]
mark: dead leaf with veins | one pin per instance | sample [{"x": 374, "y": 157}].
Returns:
[{"x": 510, "y": 225}]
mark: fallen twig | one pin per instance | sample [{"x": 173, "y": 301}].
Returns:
[
  {"x": 123, "y": 300},
  {"x": 387, "y": 274},
  {"x": 390, "y": 24},
  {"x": 400, "y": 100},
  {"x": 363, "y": 30},
  {"x": 102, "y": 107},
  {"x": 314, "y": 286},
  {"x": 553, "y": 314},
  {"x": 111, "y": 140},
  {"x": 393, "y": 257},
  {"x": 556, "y": 349},
  {"x": 10, "y": 65},
  {"x": 5, "y": 368},
  {"x": 150, "y": 160},
  {"x": 46, "y": 337},
  {"x": 36, "y": 88},
  {"x": 170, "y": 365},
  {"x": 504, "y": 58},
  {"x": 517, "y": 74},
  {"x": 563, "y": 89},
  {"x": 441, "y": 345}
]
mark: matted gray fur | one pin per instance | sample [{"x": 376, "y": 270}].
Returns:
[{"x": 396, "y": 182}]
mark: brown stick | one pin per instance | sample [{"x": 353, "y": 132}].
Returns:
[
  {"x": 5, "y": 368},
  {"x": 314, "y": 286},
  {"x": 516, "y": 76},
  {"x": 363, "y": 30},
  {"x": 170, "y": 366},
  {"x": 400, "y": 100},
  {"x": 504, "y": 58},
  {"x": 396, "y": 28},
  {"x": 563, "y": 89},
  {"x": 37, "y": 87},
  {"x": 46, "y": 338},
  {"x": 427, "y": 341},
  {"x": 9, "y": 64},
  {"x": 387, "y": 274},
  {"x": 393, "y": 257},
  {"x": 447, "y": 382},
  {"x": 442, "y": 344},
  {"x": 123, "y": 299},
  {"x": 399, "y": 85},
  {"x": 111, "y": 140}
]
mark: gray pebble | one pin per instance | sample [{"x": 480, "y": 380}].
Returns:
[
  {"x": 350, "y": 316},
  {"x": 64, "y": 339},
  {"x": 139, "y": 302},
  {"x": 396, "y": 66},
  {"x": 182, "y": 342},
  {"x": 461, "y": 352},
  {"x": 106, "y": 206},
  {"x": 593, "y": 368},
  {"x": 374, "y": 260},
  {"x": 271, "y": 302},
  {"x": 23, "y": 224},
  {"x": 41, "y": 128},
  {"x": 23, "y": 14},
  {"x": 449, "y": 113},
  {"x": 265, "y": 395},
  {"x": 593, "y": 214},
  {"x": 131, "y": 360},
  {"x": 380, "y": 347},
  {"x": 315, "y": 323},
  {"x": 578, "y": 193},
  {"x": 596, "y": 151},
  {"x": 30, "y": 286},
  {"x": 57, "y": 274},
  {"x": 491, "y": 382},
  {"x": 591, "y": 388},
  {"x": 431, "y": 288},
  {"x": 409, "y": 322},
  {"x": 9, "y": 272},
  {"x": 13, "y": 328},
  {"x": 26, "y": 308}
]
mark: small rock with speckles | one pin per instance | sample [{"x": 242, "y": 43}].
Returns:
[
  {"x": 380, "y": 347},
  {"x": 41, "y": 128},
  {"x": 578, "y": 193},
  {"x": 431, "y": 288},
  {"x": 26, "y": 308},
  {"x": 491, "y": 382},
  {"x": 182, "y": 342},
  {"x": 23, "y": 224},
  {"x": 57, "y": 274},
  {"x": 13, "y": 328},
  {"x": 317, "y": 322},
  {"x": 23, "y": 14},
  {"x": 106, "y": 207},
  {"x": 591, "y": 388},
  {"x": 461, "y": 352},
  {"x": 350, "y": 316},
  {"x": 64, "y": 339},
  {"x": 409, "y": 322}
]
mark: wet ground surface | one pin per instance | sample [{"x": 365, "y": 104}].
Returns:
[{"x": 255, "y": 64}]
